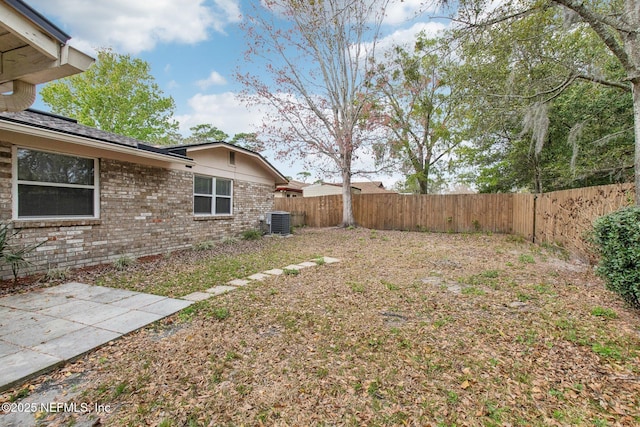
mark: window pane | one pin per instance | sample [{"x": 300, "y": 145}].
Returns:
[
  {"x": 223, "y": 187},
  {"x": 202, "y": 204},
  {"x": 49, "y": 167},
  {"x": 223, "y": 205},
  {"x": 202, "y": 185},
  {"x": 36, "y": 200}
]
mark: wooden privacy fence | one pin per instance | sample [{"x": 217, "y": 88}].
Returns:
[
  {"x": 559, "y": 217},
  {"x": 450, "y": 213},
  {"x": 566, "y": 217}
]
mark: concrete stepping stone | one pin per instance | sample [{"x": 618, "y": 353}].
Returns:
[
  {"x": 259, "y": 277},
  {"x": 293, "y": 267},
  {"x": 329, "y": 260},
  {"x": 274, "y": 272},
  {"x": 308, "y": 264},
  {"x": 238, "y": 282},
  {"x": 221, "y": 289},
  {"x": 197, "y": 296}
]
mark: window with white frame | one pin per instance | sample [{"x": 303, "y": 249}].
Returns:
[
  {"x": 53, "y": 185},
  {"x": 212, "y": 196}
]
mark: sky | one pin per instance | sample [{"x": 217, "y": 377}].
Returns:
[{"x": 194, "y": 48}]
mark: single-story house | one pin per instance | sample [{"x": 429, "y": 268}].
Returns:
[
  {"x": 329, "y": 189},
  {"x": 93, "y": 196},
  {"x": 291, "y": 189}
]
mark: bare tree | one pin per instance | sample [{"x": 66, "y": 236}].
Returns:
[{"x": 314, "y": 58}]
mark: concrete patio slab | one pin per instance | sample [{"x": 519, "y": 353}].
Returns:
[
  {"x": 77, "y": 342},
  {"x": 137, "y": 301},
  {"x": 129, "y": 321},
  {"x": 34, "y": 302},
  {"x": 72, "y": 306},
  {"x": 116, "y": 295},
  {"x": 219, "y": 290},
  {"x": 197, "y": 296},
  {"x": 42, "y": 329},
  {"x": 65, "y": 289},
  {"x": 20, "y": 320},
  {"x": 23, "y": 364},
  {"x": 42, "y": 332},
  {"x": 94, "y": 315},
  {"x": 166, "y": 307},
  {"x": 7, "y": 348}
]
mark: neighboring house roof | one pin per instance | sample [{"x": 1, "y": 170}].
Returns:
[
  {"x": 371, "y": 187},
  {"x": 53, "y": 126},
  {"x": 293, "y": 186},
  {"x": 366, "y": 187},
  {"x": 186, "y": 148}
]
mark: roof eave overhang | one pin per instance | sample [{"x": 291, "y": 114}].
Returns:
[{"x": 92, "y": 143}]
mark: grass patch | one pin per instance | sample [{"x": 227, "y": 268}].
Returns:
[
  {"x": 605, "y": 313},
  {"x": 526, "y": 259},
  {"x": 389, "y": 285},
  {"x": 356, "y": 287}
]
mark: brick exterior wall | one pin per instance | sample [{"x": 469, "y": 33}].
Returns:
[{"x": 144, "y": 210}]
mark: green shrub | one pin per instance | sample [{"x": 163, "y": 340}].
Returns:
[
  {"x": 251, "y": 234},
  {"x": 123, "y": 262},
  {"x": 12, "y": 255},
  {"x": 204, "y": 246},
  {"x": 617, "y": 240}
]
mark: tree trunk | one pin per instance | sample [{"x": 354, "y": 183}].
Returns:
[
  {"x": 635, "y": 90},
  {"x": 347, "y": 205}
]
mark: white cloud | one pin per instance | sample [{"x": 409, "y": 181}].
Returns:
[
  {"x": 408, "y": 36},
  {"x": 214, "y": 78},
  {"x": 400, "y": 12},
  {"x": 135, "y": 26},
  {"x": 224, "y": 111}
]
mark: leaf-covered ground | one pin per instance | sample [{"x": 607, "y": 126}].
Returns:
[{"x": 408, "y": 329}]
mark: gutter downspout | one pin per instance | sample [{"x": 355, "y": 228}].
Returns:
[{"x": 23, "y": 96}]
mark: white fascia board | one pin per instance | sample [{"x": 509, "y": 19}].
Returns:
[
  {"x": 92, "y": 143},
  {"x": 75, "y": 58}
]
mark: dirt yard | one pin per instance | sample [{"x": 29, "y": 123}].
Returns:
[{"x": 408, "y": 329}]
